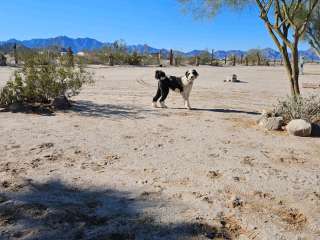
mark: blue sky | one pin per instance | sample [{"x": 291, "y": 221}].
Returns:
[{"x": 159, "y": 23}]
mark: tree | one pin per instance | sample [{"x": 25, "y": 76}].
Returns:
[
  {"x": 281, "y": 17},
  {"x": 205, "y": 58},
  {"x": 256, "y": 57},
  {"x": 313, "y": 31}
]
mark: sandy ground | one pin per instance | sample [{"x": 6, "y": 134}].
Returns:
[{"x": 115, "y": 168}]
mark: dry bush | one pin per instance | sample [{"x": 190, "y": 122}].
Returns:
[
  {"x": 41, "y": 80},
  {"x": 307, "y": 108}
]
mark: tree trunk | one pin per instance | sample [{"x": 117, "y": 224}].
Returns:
[
  {"x": 295, "y": 66},
  {"x": 292, "y": 68}
]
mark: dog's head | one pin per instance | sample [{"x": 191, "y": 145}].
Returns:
[
  {"x": 160, "y": 75},
  {"x": 191, "y": 75}
]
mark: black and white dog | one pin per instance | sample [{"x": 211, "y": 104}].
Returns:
[{"x": 182, "y": 85}]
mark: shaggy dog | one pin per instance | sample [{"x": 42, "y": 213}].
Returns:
[{"x": 183, "y": 85}]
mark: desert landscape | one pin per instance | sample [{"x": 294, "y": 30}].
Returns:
[{"x": 113, "y": 167}]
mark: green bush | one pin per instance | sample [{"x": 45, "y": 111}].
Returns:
[
  {"x": 134, "y": 59},
  {"x": 41, "y": 80},
  {"x": 256, "y": 57},
  {"x": 307, "y": 108}
]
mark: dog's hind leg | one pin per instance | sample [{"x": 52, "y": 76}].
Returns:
[{"x": 164, "y": 94}]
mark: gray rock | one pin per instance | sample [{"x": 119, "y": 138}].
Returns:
[
  {"x": 299, "y": 127},
  {"x": 61, "y": 103},
  {"x": 17, "y": 107},
  {"x": 271, "y": 123},
  {"x": 232, "y": 78}
]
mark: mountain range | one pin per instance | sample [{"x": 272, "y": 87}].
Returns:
[{"x": 89, "y": 44}]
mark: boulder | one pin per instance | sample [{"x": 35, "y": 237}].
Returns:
[
  {"x": 299, "y": 127},
  {"x": 271, "y": 123},
  {"x": 61, "y": 103}
]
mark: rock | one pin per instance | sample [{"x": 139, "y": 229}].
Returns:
[
  {"x": 17, "y": 107},
  {"x": 299, "y": 127},
  {"x": 61, "y": 103},
  {"x": 3, "y": 198},
  {"x": 236, "y": 202},
  {"x": 271, "y": 123},
  {"x": 232, "y": 78},
  {"x": 315, "y": 130}
]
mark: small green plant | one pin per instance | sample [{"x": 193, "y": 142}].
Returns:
[
  {"x": 42, "y": 79},
  {"x": 307, "y": 108}
]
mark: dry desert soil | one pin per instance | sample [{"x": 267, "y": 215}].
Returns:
[{"x": 112, "y": 167}]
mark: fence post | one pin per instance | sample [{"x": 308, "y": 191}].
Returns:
[
  {"x": 212, "y": 57},
  {"x": 171, "y": 57},
  {"x": 15, "y": 54}
]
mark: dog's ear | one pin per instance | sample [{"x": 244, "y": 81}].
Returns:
[
  {"x": 187, "y": 74},
  {"x": 158, "y": 74},
  {"x": 195, "y": 73}
]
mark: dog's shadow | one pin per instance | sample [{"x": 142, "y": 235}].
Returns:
[
  {"x": 238, "y": 81},
  {"x": 221, "y": 110}
]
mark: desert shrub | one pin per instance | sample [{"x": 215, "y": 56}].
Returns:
[
  {"x": 205, "y": 58},
  {"x": 256, "y": 57},
  {"x": 232, "y": 59},
  {"x": 307, "y": 108},
  {"x": 179, "y": 60},
  {"x": 150, "y": 60},
  {"x": 41, "y": 79},
  {"x": 134, "y": 59}
]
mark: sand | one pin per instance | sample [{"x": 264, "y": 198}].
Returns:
[{"x": 113, "y": 167}]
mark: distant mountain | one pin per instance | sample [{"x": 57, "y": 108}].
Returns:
[
  {"x": 79, "y": 44},
  {"x": 7, "y": 47},
  {"x": 270, "y": 53},
  {"x": 310, "y": 54},
  {"x": 222, "y": 54},
  {"x": 89, "y": 44}
]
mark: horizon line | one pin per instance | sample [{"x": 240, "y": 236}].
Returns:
[{"x": 135, "y": 44}]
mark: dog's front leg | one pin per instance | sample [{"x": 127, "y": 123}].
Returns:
[
  {"x": 187, "y": 104},
  {"x": 186, "y": 100}
]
